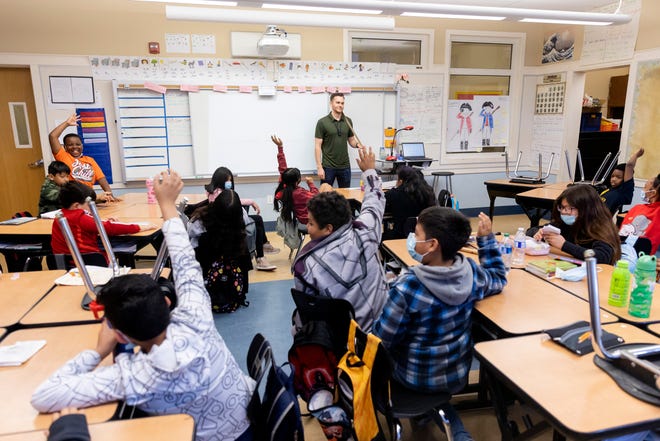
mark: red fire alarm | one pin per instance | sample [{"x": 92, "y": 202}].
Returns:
[{"x": 154, "y": 47}]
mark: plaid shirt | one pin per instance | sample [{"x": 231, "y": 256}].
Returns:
[{"x": 430, "y": 340}]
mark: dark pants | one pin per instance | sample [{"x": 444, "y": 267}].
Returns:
[
  {"x": 261, "y": 233},
  {"x": 343, "y": 176}
]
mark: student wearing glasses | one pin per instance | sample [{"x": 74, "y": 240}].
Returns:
[
  {"x": 585, "y": 223},
  {"x": 332, "y": 134}
]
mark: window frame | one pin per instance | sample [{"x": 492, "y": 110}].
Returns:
[
  {"x": 424, "y": 36},
  {"x": 515, "y": 74}
]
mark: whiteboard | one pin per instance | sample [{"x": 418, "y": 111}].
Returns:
[{"x": 233, "y": 129}]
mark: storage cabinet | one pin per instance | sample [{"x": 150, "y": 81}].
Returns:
[
  {"x": 594, "y": 146},
  {"x": 616, "y": 98}
]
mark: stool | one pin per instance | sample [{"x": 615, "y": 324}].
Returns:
[{"x": 447, "y": 175}]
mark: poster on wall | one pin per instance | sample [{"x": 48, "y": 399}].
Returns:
[
  {"x": 477, "y": 121},
  {"x": 558, "y": 46}
]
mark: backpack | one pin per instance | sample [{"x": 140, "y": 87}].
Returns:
[
  {"x": 357, "y": 373},
  {"x": 288, "y": 231},
  {"x": 225, "y": 283},
  {"x": 276, "y": 416},
  {"x": 314, "y": 363},
  {"x": 250, "y": 233},
  {"x": 444, "y": 198}
]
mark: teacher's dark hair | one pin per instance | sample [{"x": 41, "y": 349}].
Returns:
[{"x": 336, "y": 94}]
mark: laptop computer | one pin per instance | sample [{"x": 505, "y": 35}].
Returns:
[{"x": 414, "y": 151}]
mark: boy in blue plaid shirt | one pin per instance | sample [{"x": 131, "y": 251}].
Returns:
[{"x": 426, "y": 320}]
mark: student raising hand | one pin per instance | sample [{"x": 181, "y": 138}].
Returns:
[
  {"x": 167, "y": 186},
  {"x": 367, "y": 159},
  {"x": 485, "y": 226}
]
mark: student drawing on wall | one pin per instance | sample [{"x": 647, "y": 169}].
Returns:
[
  {"x": 465, "y": 124},
  {"x": 486, "y": 115}
]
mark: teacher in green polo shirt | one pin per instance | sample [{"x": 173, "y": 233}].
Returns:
[{"x": 333, "y": 132}]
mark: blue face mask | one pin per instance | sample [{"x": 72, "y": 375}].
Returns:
[
  {"x": 411, "y": 242},
  {"x": 568, "y": 219},
  {"x": 228, "y": 185}
]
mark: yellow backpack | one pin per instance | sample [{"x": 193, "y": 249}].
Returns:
[{"x": 356, "y": 376}]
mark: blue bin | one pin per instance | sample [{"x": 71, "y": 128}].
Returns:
[{"x": 590, "y": 122}]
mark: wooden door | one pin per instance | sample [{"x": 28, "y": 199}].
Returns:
[{"x": 19, "y": 183}]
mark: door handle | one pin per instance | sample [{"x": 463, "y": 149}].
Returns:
[{"x": 37, "y": 163}]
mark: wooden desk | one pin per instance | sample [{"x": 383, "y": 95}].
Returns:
[
  {"x": 141, "y": 198},
  {"x": 176, "y": 427},
  {"x": 571, "y": 392},
  {"x": 62, "y": 306},
  {"x": 21, "y": 291},
  {"x": 399, "y": 251},
  {"x": 529, "y": 304},
  {"x": 654, "y": 329},
  {"x": 351, "y": 193},
  {"x": 580, "y": 289},
  {"x": 504, "y": 188},
  {"x": 18, "y": 383},
  {"x": 537, "y": 202}
]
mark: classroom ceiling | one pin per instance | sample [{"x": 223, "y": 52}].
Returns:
[{"x": 567, "y": 5}]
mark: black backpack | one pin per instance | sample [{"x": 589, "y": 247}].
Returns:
[
  {"x": 226, "y": 284},
  {"x": 275, "y": 415},
  {"x": 444, "y": 198}
]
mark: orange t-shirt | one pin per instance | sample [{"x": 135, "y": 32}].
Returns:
[{"x": 83, "y": 169}]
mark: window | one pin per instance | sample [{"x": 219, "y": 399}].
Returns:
[
  {"x": 405, "y": 49},
  {"x": 483, "y": 76},
  {"x": 20, "y": 125}
]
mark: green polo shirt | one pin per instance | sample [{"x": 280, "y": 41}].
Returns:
[{"x": 335, "y": 134}]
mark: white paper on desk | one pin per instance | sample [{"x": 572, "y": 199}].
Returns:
[
  {"x": 19, "y": 352},
  {"x": 50, "y": 214},
  {"x": 100, "y": 276}
]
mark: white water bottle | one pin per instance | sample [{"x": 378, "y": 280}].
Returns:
[
  {"x": 506, "y": 249},
  {"x": 519, "y": 244}
]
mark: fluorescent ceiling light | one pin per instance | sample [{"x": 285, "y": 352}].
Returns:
[
  {"x": 459, "y": 16},
  {"x": 396, "y": 7},
  {"x": 574, "y": 22},
  {"x": 281, "y": 18},
  {"x": 194, "y": 2},
  {"x": 320, "y": 8}
]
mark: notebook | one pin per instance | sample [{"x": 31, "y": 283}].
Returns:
[
  {"x": 18, "y": 220},
  {"x": 414, "y": 151}
]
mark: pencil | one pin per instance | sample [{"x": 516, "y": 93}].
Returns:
[{"x": 584, "y": 336}]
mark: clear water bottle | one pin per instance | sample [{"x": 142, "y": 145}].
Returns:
[
  {"x": 619, "y": 285},
  {"x": 641, "y": 295},
  {"x": 506, "y": 249},
  {"x": 519, "y": 245}
]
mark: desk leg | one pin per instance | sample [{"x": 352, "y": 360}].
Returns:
[{"x": 491, "y": 210}]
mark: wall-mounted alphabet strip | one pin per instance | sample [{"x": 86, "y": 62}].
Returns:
[{"x": 255, "y": 72}]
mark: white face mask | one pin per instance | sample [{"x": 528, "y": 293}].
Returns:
[{"x": 644, "y": 196}]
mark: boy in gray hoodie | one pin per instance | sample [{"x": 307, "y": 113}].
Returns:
[{"x": 426, "y": 321}]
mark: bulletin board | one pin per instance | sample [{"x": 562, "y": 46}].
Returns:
[{"x": 643, "y": 124}]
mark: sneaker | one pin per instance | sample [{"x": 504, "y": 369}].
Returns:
[
  {"x": 265, "y": 265},
  {"x": 269, "y": 249}
]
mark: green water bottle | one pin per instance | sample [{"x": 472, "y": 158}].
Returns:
[
  {"x": 643, "y": 285},
  {"x": 619, "y": 285}
]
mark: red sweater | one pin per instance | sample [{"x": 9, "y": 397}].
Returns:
[
  {"x": 84, "y": 231},
  {"x": 300, "y": 195}
]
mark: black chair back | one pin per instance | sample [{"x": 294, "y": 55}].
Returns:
[{"x": 337, "y": 313}]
